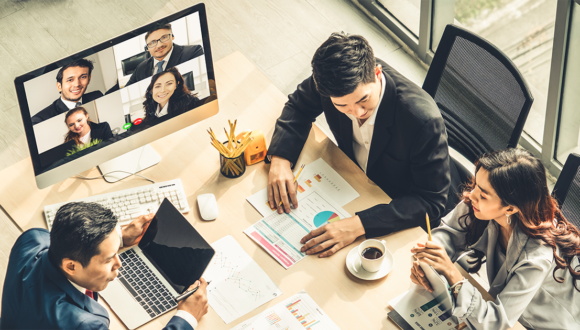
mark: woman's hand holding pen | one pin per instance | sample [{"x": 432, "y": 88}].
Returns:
[
  {"x": 434, "y": 255},
  {"x": 196, "y": 304}
]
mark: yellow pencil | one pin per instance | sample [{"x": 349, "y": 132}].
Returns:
[
  {"x": 295, "y": 178},
  {"x": 428, "y": 226}
]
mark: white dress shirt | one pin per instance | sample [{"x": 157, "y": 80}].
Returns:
[
  {"x": 166, "y": 59},
  {"x": 362, "y": 135},
  {"x": 161, "y": 112},
  {"x": 70, "y": 104},
  {"x": 86, "y": 138}
]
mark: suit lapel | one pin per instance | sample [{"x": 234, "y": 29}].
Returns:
[
  {"x": 385, "y": 119},
  {"x": 346, "y": 135},
  {"x": 81, "y": 300},
  {"x": 60, "y": 106},
  {"x": 175, "y": 55}
]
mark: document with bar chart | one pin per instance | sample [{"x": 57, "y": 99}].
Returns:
[
  {"x": 238, "y": 285},
  {"x": 298, "y": 312},
  {"x": 280, "y": 234},
  {"x": 317, "y": 174}
]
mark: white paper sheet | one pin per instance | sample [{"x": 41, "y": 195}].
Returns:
[
  {"x": 238, "y": 285},
  {"x": 298, "y": 312},
  {"x": 316, "y": 174},
  {"x": 280, "y": 234}
]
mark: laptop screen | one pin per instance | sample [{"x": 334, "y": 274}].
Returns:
[{"x": 175, "y": 248}]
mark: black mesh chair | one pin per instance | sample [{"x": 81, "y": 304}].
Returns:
[
  {"x": 567, "y": 189},
  {"x": 482, "y": 96},
  {"x": 129, "y": 65},
  {"x": 188, "y": 79}
]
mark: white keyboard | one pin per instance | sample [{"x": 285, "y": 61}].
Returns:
[{"x": 131, "y": 203}]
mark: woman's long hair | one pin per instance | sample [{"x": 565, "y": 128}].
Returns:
[
  {"x": 71, "y": 135},
  {"x": 519, "y": 179},
  {"x": 179, "y": 100}
]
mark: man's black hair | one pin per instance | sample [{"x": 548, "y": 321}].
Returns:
[
  {"x": 166, "y": 26},
  {"x": 83, "y": 63},
  {"x": 78, "y": 230},
  {"x": 341, "y": 63}
]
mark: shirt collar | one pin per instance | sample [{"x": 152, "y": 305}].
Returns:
[
  {"x": 159, "y": 110},
  {"x": 70, "y": 104},
  {"x": 166, "y": 58},
  {"x": 78, "y": 287}
]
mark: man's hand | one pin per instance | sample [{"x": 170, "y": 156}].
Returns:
[
  {"x": 281, "y": 185},
  {"x": 435, "y": 255},
  {"x": 133, "y": 232},
  {"x": 334, "y": 235},
  {"x": 196, "y": 304}
]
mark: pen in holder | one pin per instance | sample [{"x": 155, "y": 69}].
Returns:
[
  {"x": 232, "y": 167},
  {"x": 232, "y": 163}
]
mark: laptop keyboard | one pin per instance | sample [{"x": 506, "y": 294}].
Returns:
[{"x": 144, "y": 285}]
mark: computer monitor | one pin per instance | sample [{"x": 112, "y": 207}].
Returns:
[{"x": 92, "y": 91}]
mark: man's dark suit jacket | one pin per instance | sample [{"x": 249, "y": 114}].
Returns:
[
  {"x": 101, "y": 131},
  {"x": 37, "y": 295},
  {"x": 57, "y": 107},
  {"x": 408, "y": 158},
  {"x": 179, "y": 55}
]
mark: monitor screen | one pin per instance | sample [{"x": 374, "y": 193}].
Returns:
[{"x": 115, "y": 92}]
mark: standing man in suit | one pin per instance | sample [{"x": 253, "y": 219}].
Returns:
[
  {"x": 385, "y": 123},
  {"x": 72, "y": 81},
  {"x": 164, "y": 53},
  {"x": 53, "y": 278}
]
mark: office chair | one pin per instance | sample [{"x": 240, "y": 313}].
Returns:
[
  {"x": 567, "y": 189},
  {"x": 188, "y": 79},
  {"x": 481, "y": 94},
  {"x": 129, "y": 65}
]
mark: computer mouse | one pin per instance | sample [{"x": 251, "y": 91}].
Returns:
[{"x": 208, "y": 207}]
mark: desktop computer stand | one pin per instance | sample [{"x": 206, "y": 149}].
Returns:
[{"x": 131, "y": 162}]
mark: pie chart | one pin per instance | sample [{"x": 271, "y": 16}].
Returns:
[{"x": 325, "y": 217}]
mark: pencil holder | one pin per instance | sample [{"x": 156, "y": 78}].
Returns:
[{"x": 232, "y": 167}]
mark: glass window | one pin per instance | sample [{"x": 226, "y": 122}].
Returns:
[
  {"x": 524, "y": 31},
  {"x": 569, "y": 122},
  {"x": 405, "y": 11}
]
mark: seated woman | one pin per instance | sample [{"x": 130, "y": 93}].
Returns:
[
  {"x": 167, "y": 94},
  {"x": 82, "y": 130},
  {"x": 509, "y": 218}
]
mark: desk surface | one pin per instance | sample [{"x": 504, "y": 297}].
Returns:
[{"x": 244, "y": 94}]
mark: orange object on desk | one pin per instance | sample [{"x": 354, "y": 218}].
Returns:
[{"x": 256, "y": 150}]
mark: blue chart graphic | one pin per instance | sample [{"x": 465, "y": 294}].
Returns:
[
  {"x": 325, "y": 217},
  {"x": 234, "y": 275}
]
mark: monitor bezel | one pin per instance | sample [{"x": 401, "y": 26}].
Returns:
[{"x": 128, "y": 143}]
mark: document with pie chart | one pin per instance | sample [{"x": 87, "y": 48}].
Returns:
[{"x": 280, "y": 234}]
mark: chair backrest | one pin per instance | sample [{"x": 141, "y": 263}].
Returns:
[
  {"x": 129, "y": 65},
  {"x": 567, "y": 189},
  {"x": 482, "y": 96}
]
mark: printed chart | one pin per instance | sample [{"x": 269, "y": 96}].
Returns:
[
  {"x": 317, "y": 174},
  {"x": 298, "y": 312},
  {"x": 280, "y": 234},
  {"x": 238, "y": 284}
]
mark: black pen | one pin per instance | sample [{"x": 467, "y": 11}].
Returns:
[{"x": 188, "y": 293}]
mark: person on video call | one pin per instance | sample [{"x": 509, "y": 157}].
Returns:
[
  {"x": 72, "y": 81},
  {"x": 82, "y": 130},
  {"x": 167, "y": 94},
  {"x": 53, "y": 279},
  {"x": 164, "y": 53},
  {"x": 385, "y": 123}
]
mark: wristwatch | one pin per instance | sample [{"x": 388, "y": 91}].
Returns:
[{"x": 456, "y": 287}]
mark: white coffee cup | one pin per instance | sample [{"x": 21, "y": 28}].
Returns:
[{"x": 372, "y": 265}]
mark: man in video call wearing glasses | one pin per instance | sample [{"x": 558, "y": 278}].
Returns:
[
  {"x": 72, "y": 81},
  {"x": 164, "y": 53}
]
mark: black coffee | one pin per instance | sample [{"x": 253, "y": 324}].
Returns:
[{"x": 372, "y": 253}]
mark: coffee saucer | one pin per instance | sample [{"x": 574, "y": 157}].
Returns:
[{"x": 354, "y": 266}]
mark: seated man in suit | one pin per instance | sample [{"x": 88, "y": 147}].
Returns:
[
  {"x": 53, "y": 278},
  {"x": 164, "y": 54},
  {"x": 72, "y": 81},
  {"x": 385, "y": 123}
]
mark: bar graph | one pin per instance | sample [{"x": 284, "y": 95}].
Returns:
[{"x": 302, "y": 314}]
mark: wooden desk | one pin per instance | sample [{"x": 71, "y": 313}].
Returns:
[{"x": 244, "y": 94}]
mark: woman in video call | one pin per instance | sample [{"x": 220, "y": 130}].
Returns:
[
  {"x": 167, "y": 94},
  {"x": 509, "y": 221},
  {"x": 82, "y": 130}
]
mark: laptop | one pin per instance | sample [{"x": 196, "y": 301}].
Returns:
[{"x": 170, "y": 257}]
